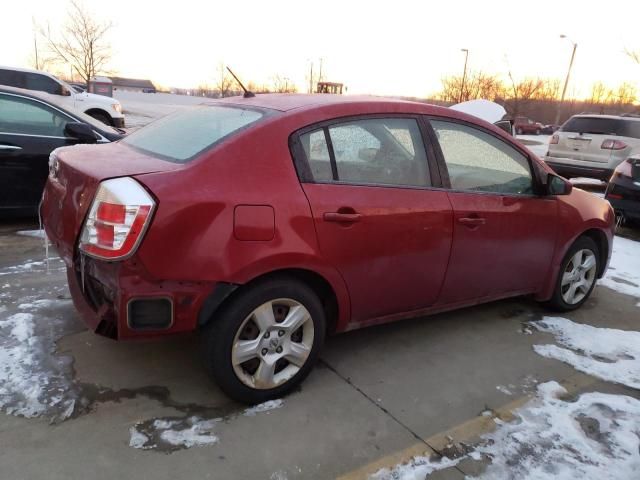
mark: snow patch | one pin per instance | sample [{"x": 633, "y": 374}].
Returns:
[
  {"x": 263, "y": 407},
  {"x": 170, "y": 434},
  {"x": 416, "y": 469},
  {"x": 32, "y": 233},
  {"x": 623, "y": 274},
  {"x": 33, "y": 381},
  {"x": 606, "y": 353},
  {"x": 594, "y": 436},
  {"x": 505, "y": 390}
]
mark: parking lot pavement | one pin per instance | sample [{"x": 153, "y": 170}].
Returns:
[{"x": 377, "y": 395}]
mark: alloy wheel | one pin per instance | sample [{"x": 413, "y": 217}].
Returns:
[
  {"x": 578, "y": 277},
  {"x": 272, "y": 344}
]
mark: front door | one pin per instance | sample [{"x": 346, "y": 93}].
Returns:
[
  {"x": 378, "y": 220},
  {"x": 29, "y": 131},
  {"x": 504, "y": 234}
]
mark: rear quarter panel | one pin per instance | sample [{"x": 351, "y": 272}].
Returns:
[{"x": 192, "y": 233}]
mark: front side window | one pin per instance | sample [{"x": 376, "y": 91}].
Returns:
[
  {"x": 478, "y": 161},
  {"x": 24, "y": 116},
  {"x": 182, "y": 136},
  {"x": 380, "y": 151}
]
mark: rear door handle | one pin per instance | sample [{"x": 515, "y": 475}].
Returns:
[
  {"x": 10, "y": 147},
  {"x": 472, "y": 221},
  {"x": 341, "y": 217}
]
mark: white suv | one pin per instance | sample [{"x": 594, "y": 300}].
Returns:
[
  {"x": 593, "y": 145},
  {"x": 106, "y": 109}
]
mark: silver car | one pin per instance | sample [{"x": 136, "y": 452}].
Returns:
[{"x": 593, "y": 145}]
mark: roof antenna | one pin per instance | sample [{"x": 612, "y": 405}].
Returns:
[{"x": 247, "y": 93}]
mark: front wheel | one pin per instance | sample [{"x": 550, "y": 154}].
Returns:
[
  {"x": 101, "y": 117},
  {"x": 577, "y": 276},
  {"x": 265, "y": 341}
]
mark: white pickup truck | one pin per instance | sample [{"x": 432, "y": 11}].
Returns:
[{"x": 106, "y": 109}]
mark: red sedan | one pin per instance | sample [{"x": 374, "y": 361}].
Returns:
[{"x": 265, "y": 223}]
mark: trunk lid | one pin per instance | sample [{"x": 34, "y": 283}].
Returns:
[
  {"x": 585, "y": 147},
  {"x": 75, "y": 173}
]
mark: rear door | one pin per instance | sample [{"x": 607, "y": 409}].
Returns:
[
  {"x": 377, "y": 217},
  {"x": 29, "y": 131},
  {"x": 504, "y": 234}
]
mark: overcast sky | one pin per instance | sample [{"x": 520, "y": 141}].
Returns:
[{"x": 392, "y": 47}]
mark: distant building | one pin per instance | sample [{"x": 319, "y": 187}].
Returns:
[{"x": 133, "y": 85}]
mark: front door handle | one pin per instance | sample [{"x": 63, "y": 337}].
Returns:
[
  {"x": 472, "y": 221},
  {"x": 10, "y": 147},
  {"x": 341, "y": 217}
]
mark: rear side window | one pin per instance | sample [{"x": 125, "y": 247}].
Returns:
[
  {"x": 182, "y": 136},
  {"x": 380, "y": 151},
  {"x": 603, "y": 126},
  {"x": 12, "y": 78}
]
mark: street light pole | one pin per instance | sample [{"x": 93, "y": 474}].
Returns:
[
  {"x": 464, "y": 72},
  {"x": 566, "y": 81}
]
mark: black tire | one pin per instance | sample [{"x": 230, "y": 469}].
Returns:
[
  {"x": 101, "y": 117},
  {"x": 220, "y": 333},
  {"x": 519, "y": 131},
  {"x": 557, "y": 302},
  {"x": 538, "y": 132}
]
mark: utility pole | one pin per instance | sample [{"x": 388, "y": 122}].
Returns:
[
  {"x": 320, "y": 74},
  {"x": 464, "y": 73},
  {"x": 566, "y": 81},
  {"x": 311, "y": 78},
  {"x": 35, "y": 41}
]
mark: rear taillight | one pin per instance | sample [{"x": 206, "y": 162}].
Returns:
[
  {"x": 624, "y": 168},
  {"x": 554, "y": 139},
  {"x": 119, "y": 216},
  {"x": 611, "y": 144}
]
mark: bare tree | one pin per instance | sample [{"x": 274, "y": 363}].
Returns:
[
  {"x": 283, "y": 85},
  {"x": 81, "y": 43},
  {"x": 224, "y": 82},
  {"x": 633, "y": 55},
  {"x": 476, "y": 85}
]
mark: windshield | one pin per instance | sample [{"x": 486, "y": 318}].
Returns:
[
  {"x": 603, "y": 126},
  {"x": 182, "y": 136}
]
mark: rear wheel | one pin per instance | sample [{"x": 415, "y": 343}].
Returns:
[
  {"x": 577, "y": 276},
  {"x": 265, "y": 341},
  {"x": 538, "y": 132},
  {"x": 519, "y": 131}
]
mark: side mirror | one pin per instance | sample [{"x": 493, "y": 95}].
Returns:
[
  {"x": 557, "y": 185},
  {"x": 81, "y": 132},
  {"x": 64, "y": 91}
]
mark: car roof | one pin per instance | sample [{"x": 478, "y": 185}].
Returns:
[
  {"x": 611, "y": 117},
  {"x": 27, "y": 70},
  {"x": 285, "y": 102},
  {"x": 37, "y": 94}
]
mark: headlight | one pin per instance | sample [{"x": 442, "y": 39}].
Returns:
[{"x": 117, "y": 107}]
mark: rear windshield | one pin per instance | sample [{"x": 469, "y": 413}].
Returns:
[
  {"x": 182, "y": 136},
  {"x": 604, "y": 126}
]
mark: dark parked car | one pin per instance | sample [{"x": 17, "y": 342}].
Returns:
[
  {"x": 550, "y": 129},
  {"x": 623, "y": 190},
  {"x": 265, "y": 223},
  {"x": 32, "y": 125}
]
